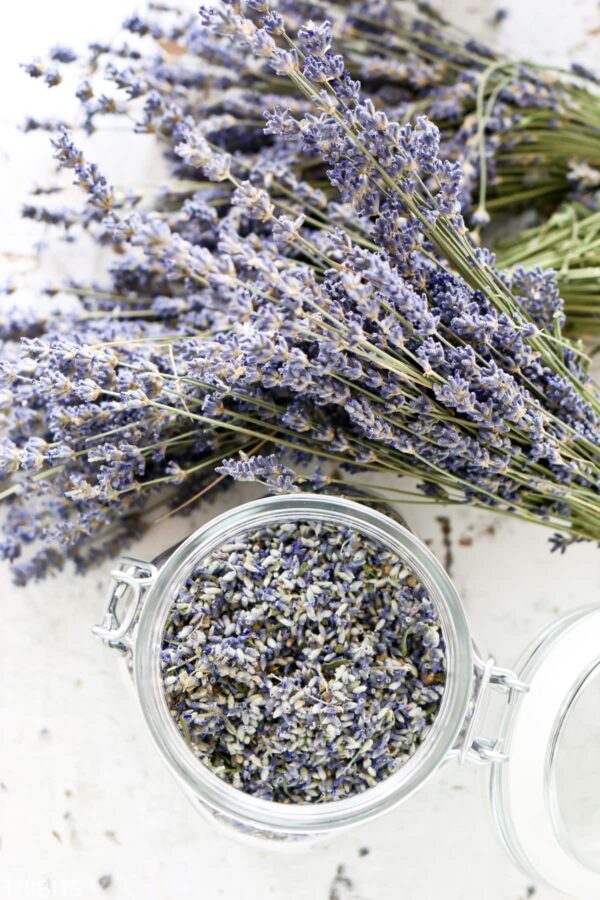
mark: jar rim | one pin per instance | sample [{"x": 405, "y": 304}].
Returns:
[{"x": 232, "y": 802}]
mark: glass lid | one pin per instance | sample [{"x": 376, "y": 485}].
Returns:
[{"x": 546, "y": 796}]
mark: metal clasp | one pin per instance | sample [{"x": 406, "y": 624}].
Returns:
[
  {"x": 129, "y": 583},
  {"x": 484, "y": 749}
]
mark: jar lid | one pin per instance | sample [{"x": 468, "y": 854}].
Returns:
[{"x": 546, "y": 797}]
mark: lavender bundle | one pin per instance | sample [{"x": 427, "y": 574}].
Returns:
[
  {"x": 246, "y": 311},
  {"x": 525, "y": 134},
  {"x": 568, "y": 243}
]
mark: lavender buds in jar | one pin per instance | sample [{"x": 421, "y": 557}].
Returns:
[
  {"x": 303, "y": 662},
  {"x": 266, "y": 651}
]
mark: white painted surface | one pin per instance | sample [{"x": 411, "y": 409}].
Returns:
[{"x": 84, "y": 794}]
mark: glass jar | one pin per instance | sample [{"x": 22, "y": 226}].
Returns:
[{"x": 530, "y": 758}]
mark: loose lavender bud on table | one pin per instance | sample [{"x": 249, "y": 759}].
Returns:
[{"x": 303, "y": 662}]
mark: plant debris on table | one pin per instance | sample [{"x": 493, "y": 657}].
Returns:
[{"x": 303, "y": 662}]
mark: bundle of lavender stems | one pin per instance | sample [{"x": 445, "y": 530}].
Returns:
[
  {"x": 568, "y": 243},
  {"x": 527, "y": 135},
  {"x": 301, "y": 302}
]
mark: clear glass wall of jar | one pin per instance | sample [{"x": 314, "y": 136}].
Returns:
[{"x": 278, "y": 819}]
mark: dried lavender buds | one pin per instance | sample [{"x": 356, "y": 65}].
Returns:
[{"x": 303, "y": 662}]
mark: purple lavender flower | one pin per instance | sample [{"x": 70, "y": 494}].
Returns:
[{"x": 330, "y": 647}]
